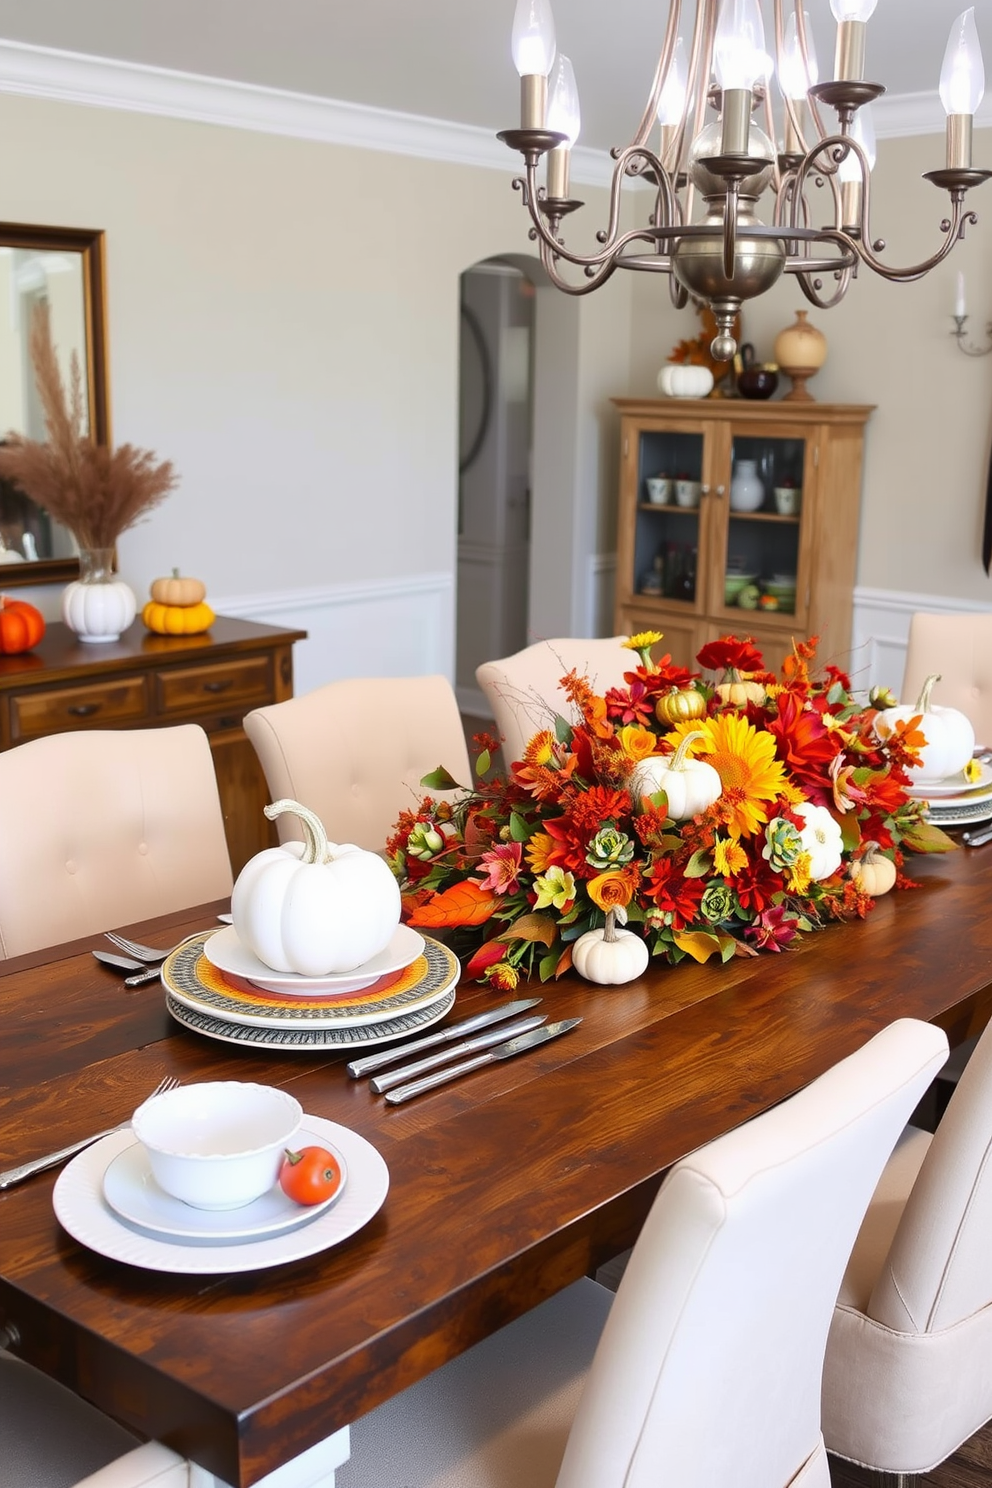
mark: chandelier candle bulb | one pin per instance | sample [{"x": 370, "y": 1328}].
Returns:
[
  {"x": 849, "y": 56},
  {"x": 533, "y": 47}
]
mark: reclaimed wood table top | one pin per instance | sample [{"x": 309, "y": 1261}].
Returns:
[{"x": 504, "y": 1186}]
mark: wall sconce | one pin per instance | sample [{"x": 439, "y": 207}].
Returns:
[{"x": 960, "y": 320}]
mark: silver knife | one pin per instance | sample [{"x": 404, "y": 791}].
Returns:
[
  {"x": 359, "y": 1067},
  {"x": 381, "y": 1083},
  {"x": 502, "y": 1051},
  {"x": 977, "y": 839}
]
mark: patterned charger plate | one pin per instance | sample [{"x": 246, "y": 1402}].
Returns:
[
  {"x": 196, "y": 984},
  {"x": 310, "y": 1038}
]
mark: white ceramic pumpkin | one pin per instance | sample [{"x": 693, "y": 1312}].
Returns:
[
  {"x": 690, "y": 784},
  {"x": 610, "y": 956},
  {"x": 685, "y": 380},
  {"x": 822, "y": 838},
  {"x": 98, "y": 612},
  {"x": 875, "y": 872},
  {"x": 948, "y": 732},
  {"x": 315, "y": 908}
]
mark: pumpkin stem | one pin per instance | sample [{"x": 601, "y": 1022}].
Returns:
[
  {"x": 314, "y": 835},
  {"x": 679, "y": 757},
  {"x": 871, "y": 853},
  {"x": 923, "y": 704},
  {"x": 175, "y": 573},
  {"x": 610, "y": 930}
]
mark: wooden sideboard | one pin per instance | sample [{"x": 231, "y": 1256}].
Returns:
[{"x": 151, "y": 681}]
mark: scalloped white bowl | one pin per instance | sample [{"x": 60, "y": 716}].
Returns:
[{"x": 217, "y": 1145}]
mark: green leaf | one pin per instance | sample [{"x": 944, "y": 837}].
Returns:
[
  {"x": 519, "y": 830},
  {"x": 850, "y": 831},
  {"x": 439, "y": 779},
  {"x": 548, "y": 965},
  {"x": 700, "y": 865},
  {"x": 924, "y": 837},
  {"x": 563, "y": 730},
  {"x": 483, "y": 762},
  {"x": 836, "y": 693}
]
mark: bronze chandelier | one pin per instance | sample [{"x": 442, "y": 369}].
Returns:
[{"x": 708, "y": 179}]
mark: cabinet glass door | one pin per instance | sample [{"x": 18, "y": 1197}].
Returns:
[
  {"x": 667, "y": 526},
  {"x": 763, "y": 553}
]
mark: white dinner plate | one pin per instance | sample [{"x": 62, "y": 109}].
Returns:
[
  {"x": 322, "y": 1036},
  {"x": 225, "y": 951},
  {"x": 82, "y": 1210},
  {"x": 953, "y": 787},
  {"x": 133, "y": 1194}
]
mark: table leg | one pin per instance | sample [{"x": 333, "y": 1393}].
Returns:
[{"x": 312, "y": 1469}]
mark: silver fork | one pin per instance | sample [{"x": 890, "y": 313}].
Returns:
[
  {"x": 52, "y": 1159},
  {"x": 142, "y": 952}
]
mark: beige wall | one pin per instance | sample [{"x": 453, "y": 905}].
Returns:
[
  {"x": 928, "y": 442},
  {"x": 283, "y": 326}
]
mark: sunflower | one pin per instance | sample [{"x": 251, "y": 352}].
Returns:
[{"x": 744, "y": 759}]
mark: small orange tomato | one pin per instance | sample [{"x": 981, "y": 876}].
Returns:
[{"x": 310, "y": 1176}]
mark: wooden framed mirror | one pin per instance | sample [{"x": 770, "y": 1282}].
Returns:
[{"x": 65, "y": 267}]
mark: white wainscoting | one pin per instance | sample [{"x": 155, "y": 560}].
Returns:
[
  {"x": 601, "y": 575},
  {"x": 881, "y": 630},
  {"x": 369, "y": 628}
]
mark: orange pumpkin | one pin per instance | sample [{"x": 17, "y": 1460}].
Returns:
[
  {"x": 166, "y": 619},
  {"x": 21, "y": 625}
]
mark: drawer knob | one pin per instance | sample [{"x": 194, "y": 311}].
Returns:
[
  {"x": 84, "y": 710},
  {"x": 220, "y": 686}
]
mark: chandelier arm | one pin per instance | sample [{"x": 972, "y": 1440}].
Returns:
[
  {"x": 611, "y": 238},
  {"x": 661, "y": 73},
  {"x": 810, "y": 287},
  {"x": 549, "y": 259}
]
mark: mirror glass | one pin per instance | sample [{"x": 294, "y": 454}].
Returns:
[{"x": 63, "y": 268}]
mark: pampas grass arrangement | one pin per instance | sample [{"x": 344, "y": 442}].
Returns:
[{"x": 94, "y": 491}]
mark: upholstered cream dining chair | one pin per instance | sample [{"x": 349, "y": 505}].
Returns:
[
  {"x": 705, "y": 1370},
  {"x": 524, "y": 689},
  {"x": 356, "y": 751},
  {"x": 908, "y": 1373},
  {"x": 51, "y": 1438},
  {"x": 104, "y": 827},
  {"x": 959, "y": 648}
]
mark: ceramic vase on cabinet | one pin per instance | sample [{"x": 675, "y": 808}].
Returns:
[
  {"x": 98, "y": 605},
  {"x": 747, "y": 490}
]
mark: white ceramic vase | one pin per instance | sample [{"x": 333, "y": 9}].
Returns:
[
  {"x": 98, "y": 606},
  {"x": 747, "y": 489}
]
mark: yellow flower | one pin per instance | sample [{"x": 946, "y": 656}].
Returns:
[
  {"x": 973, "y": 771},
  {"x": 797, "y": 879},
  {"x": 728, "y": 857},
  {"x": 643, "y": 640},
  {"x": 538, "y": 851},
  {"x": 556, "y": 887},
  {"x": 541, "y": 748},
  {"x": 502, "y": 976},
  {"x": 636, "y": 742},
  {"x": 744, "y": 759}
]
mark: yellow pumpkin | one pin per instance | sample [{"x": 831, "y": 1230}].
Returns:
[
  {"x": 178, "y": 591},
  {"x": 740, "y": 690},
  {"x": 166, "y": 619},
  {"x": 680, "y": 705}
]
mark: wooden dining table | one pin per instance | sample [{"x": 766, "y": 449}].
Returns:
[{"x": 505, "y": 1186}]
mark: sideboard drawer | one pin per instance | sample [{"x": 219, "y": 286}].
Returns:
[
  {"x": 244, "y": 683},
  {"x": 105, "y": 704}
]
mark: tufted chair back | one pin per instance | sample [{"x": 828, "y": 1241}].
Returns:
[
  {"x": 959, "y": 647},
  {"x": 524, "y": 690},
  {"x": 100, "y": 828},
  {"x": 356, "y": 751}
]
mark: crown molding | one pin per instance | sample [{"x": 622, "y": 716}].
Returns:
[{"x": 101, "y": 82}]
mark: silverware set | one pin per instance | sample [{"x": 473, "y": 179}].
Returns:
[
  {"x": 515, "y": 1036},
  {"x": 52, "y": 1159}
]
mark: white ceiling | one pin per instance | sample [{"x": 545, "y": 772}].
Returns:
[{"x": 445, "y": 59}]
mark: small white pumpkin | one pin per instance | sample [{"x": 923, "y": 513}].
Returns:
[
  {"x": 315, "y": 908},
  {"x": 685, "y": 380},
  {"x": 610, "y": 956},
  {"x": 948, "y": 732},
  {"x": 822, "y": 839},
  {"x": 98, "y": 612},
  {"x": 690, "y": 784},
  {"x": 875, "y": 872}
]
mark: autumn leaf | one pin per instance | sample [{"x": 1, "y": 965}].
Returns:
[
  {"x": 531, "y": 927},
  {"x": 465, "y": 903},
  {"x": 697, "y": 944},
  {"x": 488, "y": 954}
]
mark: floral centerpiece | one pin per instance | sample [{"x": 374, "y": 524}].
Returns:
[{"x": 711, "y": 819}]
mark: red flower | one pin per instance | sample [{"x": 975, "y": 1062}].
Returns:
[
  {"x": 729, "y": 653},
  {"x": 772, "y": 929},
  {"x": 674, "y": 894},
  {"x": 804, "y": 746},
  {"x": 630, "y": 704}
]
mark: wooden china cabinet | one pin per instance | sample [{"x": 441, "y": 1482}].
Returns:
[
  {"x": 684, "y": 569},
  {"x": 151, "y": 681}
]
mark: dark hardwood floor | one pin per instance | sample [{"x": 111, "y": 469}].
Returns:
[{"x": 971, "y": 1467}]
